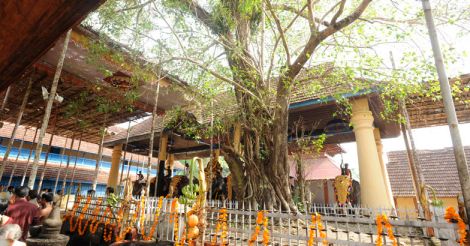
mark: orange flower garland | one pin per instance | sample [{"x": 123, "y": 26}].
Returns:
[
  {"x": 80, "y": 217},
  {"x": 94, "y": 224},
  {"x": 174, "y": 217},
  {"x": 452, "y": 216},
  {"x": 316, "y": 224},
  {"x": 155, "y": 221},
  {"x": 71, "y": 213},
  {"x": 259, "y": 222},
  {"x": 107, "y": 233},
  {"x": 382, "y": 221},
  {"x": 265, "y": 232},
  {"x": 142, "y": 214},
  {"x": 82, "y": 230},
  {"x": 221, "y": 226}
]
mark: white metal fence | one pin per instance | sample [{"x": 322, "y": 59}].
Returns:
[{"x": 342, "y": 226}]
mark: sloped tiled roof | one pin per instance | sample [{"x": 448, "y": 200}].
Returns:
[
  {"x": 316, "y": 168},
  {"x": 439, "y": 170}
]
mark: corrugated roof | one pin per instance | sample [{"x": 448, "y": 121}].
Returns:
[{"x": 439, "y": 170}]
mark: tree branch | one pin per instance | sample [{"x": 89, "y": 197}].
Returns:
[
  {"x": 339, "y": 13},
  {"x": 334, "y": 27},
  {"x": 314, "y": 39},
  {"x": 202, "y": 15},
  {"x": 300, "y": 13},
  {"x": 279, "y": 29}
]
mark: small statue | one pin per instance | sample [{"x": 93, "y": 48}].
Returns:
[{"x": 50, "y": 232}]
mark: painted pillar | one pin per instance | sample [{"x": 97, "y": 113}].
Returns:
[
  {"x": 161, "y": 161},
  {"x": 113, "y": 177},
  {"x": 373, "y": 189},
  {"x": 378, "y": 143}
]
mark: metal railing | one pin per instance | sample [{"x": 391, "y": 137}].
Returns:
[{"x": 342, "y": 226}]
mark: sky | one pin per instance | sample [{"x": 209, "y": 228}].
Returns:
[{"x": 425, "y": 138}]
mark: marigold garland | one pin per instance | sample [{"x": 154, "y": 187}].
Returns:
[
  {"x": 265, "y": 232},
  {"x": 452, "y": 216},
  {"x": 80, "y": 217},
  {"x": 382, "y": 221},
  {"x": 95, "y": 223},
  {"x": 142, "y": 214},
  {"x": 174, "y": 218},
  {"x": 107, "y": 233},
  {"x": 259, "y": 222},
  {"x": 155, "y": 221},
  {"x": 94, "y": 214},
  {"x": 221, "y": 227},
  {"x": 316, "y": 224}
]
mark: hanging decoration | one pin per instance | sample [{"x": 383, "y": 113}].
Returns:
[
  {"x": 155, "y": 220},
  {"x": 221, "y": 227},
  {"x": 82, "y": 230},
  {"x": 174, "y": 217},
  {"x": 259, "y": 222},
  {"x": 265, "y": 232},
  {"x": 316, "y": 224},
  {"x": 452, "y": 216},
  {"x": 383, "y": 222}
]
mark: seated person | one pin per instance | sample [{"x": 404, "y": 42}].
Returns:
[
  {"x": 10, "y": 234},
  {"x": 46, "y": 205},
  {"x": 32, "y": 197},
  {"x": 21, "y": 212}
]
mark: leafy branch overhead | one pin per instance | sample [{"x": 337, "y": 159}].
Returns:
[{"x": 249, "y": 58}]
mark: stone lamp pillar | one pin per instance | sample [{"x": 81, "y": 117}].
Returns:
[{"x": 373, "y": 190}]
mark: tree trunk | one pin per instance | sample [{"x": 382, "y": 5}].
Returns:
[{"x": 300, "y": 172}]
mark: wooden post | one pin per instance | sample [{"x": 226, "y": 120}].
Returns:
[
  {"x": 29, "y": 157},
  {"x": 47, "y": 114},
  {"x": 17, "y": 124},
  {"x": 73, "y": 172},
  {"x": 60, "y": 165},
  {"x": 67, "y": 165},
  {"x": 17, "y": 157},
  {"x": 161, "y": 162},
  {"x": 4, "y": 103},
  {"x": 449, "y": 108},
  {"x": 98, "y": 159},
  {"x": 151, "y": 143},
  {"x": 47, "y": 153}
]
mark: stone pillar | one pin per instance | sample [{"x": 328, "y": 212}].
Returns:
[
  {"x": 373, "y": 189},
  {"x": 113, "y": 177},
  {"x": 378, "y": 143}
]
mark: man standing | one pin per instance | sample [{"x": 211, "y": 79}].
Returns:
[{"x": 22, "y": 212}]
